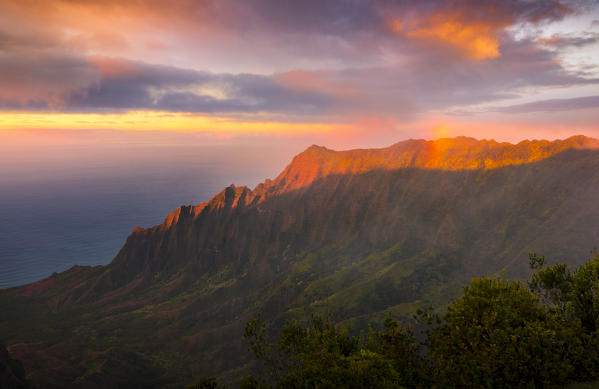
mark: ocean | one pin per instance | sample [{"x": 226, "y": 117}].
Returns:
[{"x": 76, "y": 204}]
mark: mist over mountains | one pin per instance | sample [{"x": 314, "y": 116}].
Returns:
[{"x": 360, "y": 234}]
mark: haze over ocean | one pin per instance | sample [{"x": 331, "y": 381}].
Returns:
[{"x": 75, "y": 205}]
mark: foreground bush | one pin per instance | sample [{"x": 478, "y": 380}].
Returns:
[
  {"x": 323, "y": 356},
  {"x": 499, "y": 334}
]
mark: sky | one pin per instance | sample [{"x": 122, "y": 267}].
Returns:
[{"x": 344, "y": 73}]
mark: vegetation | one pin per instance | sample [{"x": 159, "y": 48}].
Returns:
[
  {"x": 499, "y": 333},
  {"x": 325, "y": 356}
]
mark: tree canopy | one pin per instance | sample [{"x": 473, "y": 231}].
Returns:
[{"x": 541, "y": 333}]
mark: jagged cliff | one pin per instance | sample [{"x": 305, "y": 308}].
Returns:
[{"x": 359, "y": 233}]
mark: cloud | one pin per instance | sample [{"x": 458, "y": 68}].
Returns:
[
  {"x": 42, "y": 79},
  {"x": 570, "y": 40},
  {"x": 275, "y": 33},
  {"x": 477, "y": 41},
  {"x": 552, "y": 105},
  {"x": 308, "y": 60},
  {"x": 423, "y": 84},
  {"x": 315, "y": 81},
  {"x": 436, "y": 83},
  {"x": 471, "y": 28},
  {"x": 101, "y": 84}
]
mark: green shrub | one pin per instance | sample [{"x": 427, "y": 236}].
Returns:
[{"x": 498, "y": 335}]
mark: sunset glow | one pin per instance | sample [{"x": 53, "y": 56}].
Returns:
[
  {"x": 152, "y": 121},
  {"x": 317, "y": 71}
]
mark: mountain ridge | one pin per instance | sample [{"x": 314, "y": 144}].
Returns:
[
  {"x": 360, "y": 245},
  {"x": 446, "y": 153},
  {"x": 458, "y": 153},
  {"x": 319, "y": 163}
]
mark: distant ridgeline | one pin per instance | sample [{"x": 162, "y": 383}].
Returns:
[{"x": 359, "y": 234}]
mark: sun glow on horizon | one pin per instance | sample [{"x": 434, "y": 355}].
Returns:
[{"x": 154, "y": 121}]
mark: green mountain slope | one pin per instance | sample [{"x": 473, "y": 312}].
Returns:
[{"x": 360, "y": 234}]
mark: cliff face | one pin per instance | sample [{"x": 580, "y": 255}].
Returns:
[
  {"x": 194, "y": 239},
  {"x": 360, "y": 233},
  {"x": 452, "y": 154}
]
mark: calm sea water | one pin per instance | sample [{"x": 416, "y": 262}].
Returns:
[{"x": 77, "y": 205}]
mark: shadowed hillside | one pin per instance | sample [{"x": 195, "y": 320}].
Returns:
[{"x": 360, "y": 233}]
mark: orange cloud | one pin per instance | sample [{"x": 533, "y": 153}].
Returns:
[{"x": 475, "y": 39}]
